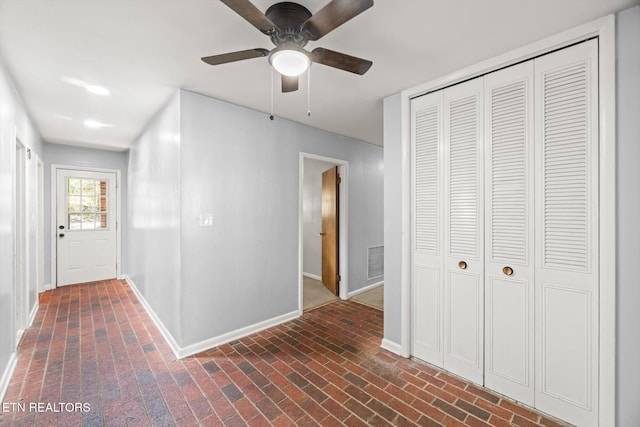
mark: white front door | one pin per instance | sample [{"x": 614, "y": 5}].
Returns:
[{"x": 85, "y": 226}]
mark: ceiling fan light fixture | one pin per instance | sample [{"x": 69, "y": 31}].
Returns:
[{"x": 289, "y": 62}]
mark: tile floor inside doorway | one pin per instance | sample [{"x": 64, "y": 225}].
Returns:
[
  {"x": 95, "y": 344},
  {"x": 373, "y": 298},
  {"x": 315, "y": 294}
]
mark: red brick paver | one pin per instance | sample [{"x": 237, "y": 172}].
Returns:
[{"x": 94, "y": 344}]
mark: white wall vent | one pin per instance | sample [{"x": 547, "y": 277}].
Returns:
[{"x": 375, "y": 262}]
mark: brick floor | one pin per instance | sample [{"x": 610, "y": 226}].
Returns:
[{"x": 94, "y": 344}]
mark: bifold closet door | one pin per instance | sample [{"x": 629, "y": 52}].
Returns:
[
  {"x": 566, "y": 265},
  {"x": 463, "y": 231},
  {"x": 427, "y": 226},
  {"x": 447, "y": 220},
  {"x": 509, "y": 286}
]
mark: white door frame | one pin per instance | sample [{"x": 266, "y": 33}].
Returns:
[
  {"x": 39, "y": 225},
  {"x": 604, "y": 29},
  {"x": 343, "y": 171},
  {"x": 20, "y": 241},
  {"x": 54, "y": 228}
]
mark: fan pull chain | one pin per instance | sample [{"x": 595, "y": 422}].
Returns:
[
  {"x": 309, "y": 91},
  {"x": 271, "y": 83}
]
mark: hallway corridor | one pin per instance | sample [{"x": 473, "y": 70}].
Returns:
[{"x": 94, "y": 344}]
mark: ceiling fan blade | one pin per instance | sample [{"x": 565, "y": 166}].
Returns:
[
  {"x": 341, "y": 61},
  {"x": 235, "y": 56},
  {"x": 289, "y": 83},
  {"x": 332, "y": 15},
  {"x": 252, "y": 14}
]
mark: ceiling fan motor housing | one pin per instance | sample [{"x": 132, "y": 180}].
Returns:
[
  {"x": 288, "y": 17},
  {"x": 290, "y": 27}
]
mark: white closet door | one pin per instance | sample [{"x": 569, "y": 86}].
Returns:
[
  {"x": 509, "y": 287},
  {"x": 463, "y": 231},
  {"x": 567, "y": 234},
  {"x": 427, "y": 236}
]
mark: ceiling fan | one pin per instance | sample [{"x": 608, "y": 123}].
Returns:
[{"x": 290, "y": 26}]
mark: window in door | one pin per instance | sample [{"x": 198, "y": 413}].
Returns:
[{"x": 87, "y": 201}]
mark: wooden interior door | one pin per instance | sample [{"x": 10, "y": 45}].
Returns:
[{"x": 330, "y": 181}]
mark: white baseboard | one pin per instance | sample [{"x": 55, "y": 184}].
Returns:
[
  {"x": 34, "y": 311},
  {"x": 182, "y": 352},
  {"x": 365, "y": 289},
  {"x": 238, "y": 333},
  {"x": 48, "y": 286},
  {"x": 154, "y": 317},
  {"x": 6, "y": 375},
  {"x": 393, "y": 347},
  {"x": 312, "y": 276}
]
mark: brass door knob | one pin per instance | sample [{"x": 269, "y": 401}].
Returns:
[
  {"x": 462, "y": 265},
  {"x": 508, "y": 271}
]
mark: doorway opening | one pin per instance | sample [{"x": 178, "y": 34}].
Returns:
[
  {"x": 322, "y": 231},
  {"x": 21, "y": 302}
]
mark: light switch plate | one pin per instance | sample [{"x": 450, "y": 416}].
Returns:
[{"x": 206, "y": 220}]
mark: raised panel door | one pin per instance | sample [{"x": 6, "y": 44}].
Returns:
[
  {"x": 463, "y": 231},
  {"x": 566, "y": 265},
  {"x": 427, "y": 238},
  {"x": 509, "y": 281}
]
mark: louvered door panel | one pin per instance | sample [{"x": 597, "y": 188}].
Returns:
[
  {"x": 509, "y": 288},
  {"x": 464, "y": 221},
  {"x": 507, "y": 138},
  {"x": 566, "y": 170},
  {"x": 426, "y": 244},
  {"x": 427, "y": 180},
  {"x": 567, "y": 236},
  {"x": 463, "y": 175}
]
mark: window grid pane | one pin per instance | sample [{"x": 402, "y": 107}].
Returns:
[
  {"x": 74, "y": 222},
  {"x": 86, "y": 204},
  {"x": 74, "y": 186}
]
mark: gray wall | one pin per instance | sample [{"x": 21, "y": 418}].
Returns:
[
  {"x": 312, "y": 215},
  {"x": 628, "y": 210},
  {"x": 392, "y": 219},
  {"x": 13, "y": 116},
  {"x": 84, "y": 157},
  {"x": 154, "y": 260},
  {"x": 243, "y": 168}
]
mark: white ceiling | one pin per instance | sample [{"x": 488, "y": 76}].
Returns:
[{"x": 143, "y": 50}]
